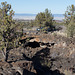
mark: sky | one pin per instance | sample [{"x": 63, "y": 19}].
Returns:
[{"x": 36, "y": 6}]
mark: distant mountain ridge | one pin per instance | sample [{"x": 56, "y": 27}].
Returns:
[
  {"x": 32, "y": 16},
  {"x": 20, "y": 14}
]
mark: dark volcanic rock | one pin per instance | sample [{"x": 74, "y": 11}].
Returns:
[
  {"x": 34, "y": 59},
  {"x": 15, "y": 54}
]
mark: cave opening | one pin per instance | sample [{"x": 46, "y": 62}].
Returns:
[{"x": 33, "y": 44}]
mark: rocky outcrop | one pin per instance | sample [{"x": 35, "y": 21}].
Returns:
[
  {"x": 16, "y": 67},
  {"x": 44, "y": 54}
]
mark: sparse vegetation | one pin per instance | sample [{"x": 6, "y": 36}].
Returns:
[
  {"x": 71, "y": 28},
  {"x": 6, "y": 25},
  {"x": 35, "y": 52},
  {"x": 70, "y": 20},
  {"x": 45, "y": 19}
]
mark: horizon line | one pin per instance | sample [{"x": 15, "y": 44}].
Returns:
[{"x": 36, "y": 14}]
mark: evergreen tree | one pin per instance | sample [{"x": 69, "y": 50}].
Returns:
[
  {"x": 70, "y": 12},
  {"x": 6, "y": 25},
  {"x": 70, "y": 20},
  {"x": 71, "y": 27},
  {"x": 44, "y": 19}
]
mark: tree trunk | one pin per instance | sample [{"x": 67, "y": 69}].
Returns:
[{"x": 4, "y": 54}]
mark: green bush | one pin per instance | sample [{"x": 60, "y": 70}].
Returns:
[
  {"x": 44, "y": 19},
  {"x": 70, "y": 20}
]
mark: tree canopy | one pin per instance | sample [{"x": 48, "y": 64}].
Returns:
[
  {"x": 44, "y": 19},
  {"x": 70, "y": 20},
  {"x": 70, "y": 12},
  {"x": 6, "y": 25},
  {"x": 6, "y": 21}
]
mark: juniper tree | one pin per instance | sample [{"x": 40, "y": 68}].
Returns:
[
  {"x": 70, "y": 20},
  {"x": 6, "y": 25},
  {"x": 44, "y": 19},
  {"x": 71, "y": 27}
]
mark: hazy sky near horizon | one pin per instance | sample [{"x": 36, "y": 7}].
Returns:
[{"x": 36, "y": 6}]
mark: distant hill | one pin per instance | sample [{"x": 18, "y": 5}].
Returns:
[
  {"x": 55, "y": 15},
  {"x": 32, "y": 16},
  {"x": 17, "y": 14}
]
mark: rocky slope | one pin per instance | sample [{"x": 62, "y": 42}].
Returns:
[{"x": 45, "y": 54}]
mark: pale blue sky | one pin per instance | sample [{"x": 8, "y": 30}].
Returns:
[{"x": 36, "y": 6}]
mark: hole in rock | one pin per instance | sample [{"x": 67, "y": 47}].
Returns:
[
  {"x": 33, "y": 44},
  {"x": 52, "y": 44}
]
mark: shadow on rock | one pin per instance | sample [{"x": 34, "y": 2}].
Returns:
[
  {"x": 56, "y": 72},
  {"x": 26, "y": 72},
  {"x": 42, "y": 56}
]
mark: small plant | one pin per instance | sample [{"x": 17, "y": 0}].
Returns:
[{"x": 54, "y": 34}]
